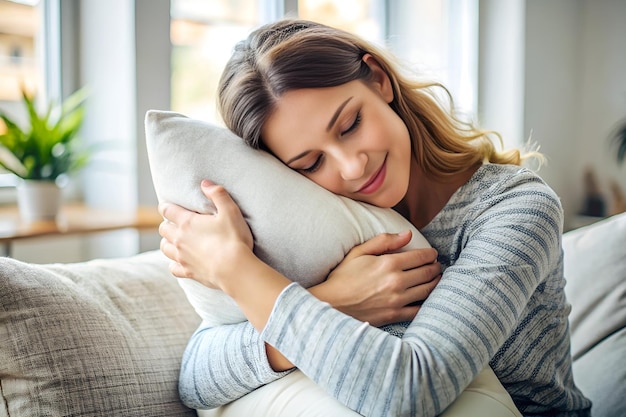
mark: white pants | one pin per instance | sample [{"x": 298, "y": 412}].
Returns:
[{"x": 295, "y": 395}]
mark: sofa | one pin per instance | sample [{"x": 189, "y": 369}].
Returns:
[{"x": 105, "y": 337}]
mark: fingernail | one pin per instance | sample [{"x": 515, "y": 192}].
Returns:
[
  {"x": 404, "y": 233},
  {"x": 206, "y": 183}
]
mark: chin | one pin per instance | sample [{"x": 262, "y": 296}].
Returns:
[{"x": 386, "y": 201}]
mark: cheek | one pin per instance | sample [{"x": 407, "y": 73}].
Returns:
[{"x": 327, "y": 181}]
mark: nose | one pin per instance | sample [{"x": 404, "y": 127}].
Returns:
[{"x": 351, "y": 164}]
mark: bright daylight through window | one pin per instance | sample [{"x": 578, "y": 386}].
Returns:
[
  {"x": 21, "y": 65},
  {"x": 203, "y": 33},
  {"x": 436, "y": 37}
]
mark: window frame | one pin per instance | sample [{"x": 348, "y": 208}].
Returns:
[{"x": 48, "y": 51}]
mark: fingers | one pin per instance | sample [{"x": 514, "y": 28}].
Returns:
[
  {"x": 171, "y": 252},
  {"x": 219, "y": 196},
  {"x": 178, "y": 271},
  {"x": 383, "y": 243},
  {"x": 216, "y": 193},
  {"x": 171, "y": 212},
  {"x": 413, "y": 258},
  {"x": 168, "y": 249},
  {"x": 420, "y": 292},
  {"x": 413, "y": 285}
]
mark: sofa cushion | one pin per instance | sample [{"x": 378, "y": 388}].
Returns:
[
  {"x": 99, "y": 338},
  {"x": 299, "y": 228},
  {"x": 595, "y": 269}
]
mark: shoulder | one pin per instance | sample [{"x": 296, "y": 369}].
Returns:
[
  {"x": 515, "y": 214},
  {"x": 514, "y": 190},
  {"x": 499, "y": 201}
]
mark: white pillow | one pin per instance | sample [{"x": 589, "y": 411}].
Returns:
[{"x": 299, "y": 228}]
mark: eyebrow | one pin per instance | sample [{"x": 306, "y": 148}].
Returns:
[
  {"x": 337, "y": 113},
  {"x": 332, "y": 121}
]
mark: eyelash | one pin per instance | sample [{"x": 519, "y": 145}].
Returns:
[
  {"x": 318, "y": 161},
  {"x": 355, "y": 124},
  {"x": 315, "y": 166}
]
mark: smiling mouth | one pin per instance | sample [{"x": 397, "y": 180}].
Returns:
[{"x": 376, "y": 180}]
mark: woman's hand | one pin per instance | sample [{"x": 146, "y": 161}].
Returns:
[
  {"x": 377, "y": 285},
  {"x": 205, "y": 247}
]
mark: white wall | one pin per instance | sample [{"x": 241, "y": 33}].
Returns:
[
  {"x": 575, "y": 90},
  {"x": 125, "y": 60}
]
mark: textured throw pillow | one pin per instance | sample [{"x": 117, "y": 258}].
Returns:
[
  {"x": 100, "y": 338},
  {"x": 595, "y": 269},
  {"x": 299, "y": 228}
]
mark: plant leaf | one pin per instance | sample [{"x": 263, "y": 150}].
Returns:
[
  {"x": 11, "y": 163},
  {"x": 36, "y": 147}
]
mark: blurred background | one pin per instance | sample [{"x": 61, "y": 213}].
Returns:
[{"x": 553, "y": 71}]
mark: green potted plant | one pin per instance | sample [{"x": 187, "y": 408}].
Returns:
[{"x": 42, "y": 152}]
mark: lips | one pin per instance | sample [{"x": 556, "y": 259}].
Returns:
[{"x": 376, "y": 181}]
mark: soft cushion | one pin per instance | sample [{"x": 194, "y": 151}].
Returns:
[
  {"x": 101, "y": 338},
  {"x": 595, "y": 269},
  {"x": 299, "y": 228}
]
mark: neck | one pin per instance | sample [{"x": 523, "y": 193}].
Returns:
[{"x": 426, "y": 197}]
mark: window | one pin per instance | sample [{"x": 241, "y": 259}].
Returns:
[
  {"x": 438, "y": 38},
  {"x": 21, "y": 62},
  {"x": 203, "y": 33},
  {"x": 365, "y": 18}
]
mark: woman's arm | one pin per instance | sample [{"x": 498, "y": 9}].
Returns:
[{"x": 223, "y": 363}]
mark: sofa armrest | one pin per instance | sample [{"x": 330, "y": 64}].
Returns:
[{"x": 595, "y": 269}]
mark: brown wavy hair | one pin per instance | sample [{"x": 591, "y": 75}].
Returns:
[{"x": 294, "y": 54}]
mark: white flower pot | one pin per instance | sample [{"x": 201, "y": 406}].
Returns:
[{"x": 38, "y": 200}]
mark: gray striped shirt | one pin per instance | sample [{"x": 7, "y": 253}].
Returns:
[{"x": 500, "y": 302}]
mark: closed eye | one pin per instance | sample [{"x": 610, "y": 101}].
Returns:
[
  {"x": 354, "y": 125},
  {"x": 315, "y": 166}
]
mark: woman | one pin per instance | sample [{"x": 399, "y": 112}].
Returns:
[{"x": 337, "y": 110}]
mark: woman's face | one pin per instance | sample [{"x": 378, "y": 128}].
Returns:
[{"x": 346, "y": 139}]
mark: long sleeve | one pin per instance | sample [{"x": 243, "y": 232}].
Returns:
[
  {"x": 222, "y": 364},
  {"x": 500, "y": 301}
]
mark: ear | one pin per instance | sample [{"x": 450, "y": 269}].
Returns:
[{"x": 380, "y": 79}]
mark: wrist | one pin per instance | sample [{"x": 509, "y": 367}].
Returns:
[
  {"x": 254, "y": 286},
  {"x": 237, "y": 268},
  {"x": 331, "y": 293},
  {"x": 321, "y": 292}
]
